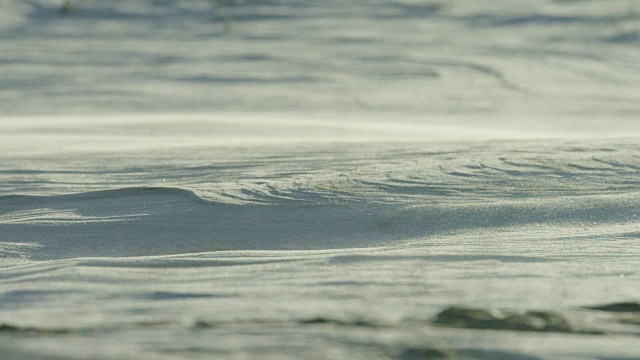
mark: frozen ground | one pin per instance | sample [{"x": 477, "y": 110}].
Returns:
[{"x": 315, "y": 179}]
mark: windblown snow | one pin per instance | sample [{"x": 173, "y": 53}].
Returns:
[{"x": 319, "y": 179}]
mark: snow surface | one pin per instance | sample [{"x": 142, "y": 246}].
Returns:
[{"x": 319, "y": 179}]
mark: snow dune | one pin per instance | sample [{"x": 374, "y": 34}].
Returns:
[
  {"x": 164, "y": 221},
  {"x": 319, "y": 179}
]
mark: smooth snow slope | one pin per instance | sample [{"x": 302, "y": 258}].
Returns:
[{"x": 319, "y": 179}]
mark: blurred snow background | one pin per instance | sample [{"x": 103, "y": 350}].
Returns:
[{"x": 524, "y": 57}]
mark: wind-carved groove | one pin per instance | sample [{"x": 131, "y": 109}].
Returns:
[
  {"x": 481, "y": 69},
  {"x": 487, "y": 71}
]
